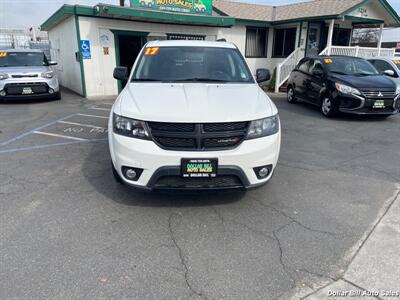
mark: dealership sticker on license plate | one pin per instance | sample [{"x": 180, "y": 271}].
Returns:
[
  {"x": 379, "y": 104},
  {"x": 27, "y": 90},
  {"x": 199, "y": 167}
]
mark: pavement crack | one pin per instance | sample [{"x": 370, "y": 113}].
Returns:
[
  {"x": 184, "y": 264},
  {"x": 294, "y": 220},
  {"x": 285, "y": 268}
]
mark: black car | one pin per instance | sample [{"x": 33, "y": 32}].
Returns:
[{"x": 343, "y": 84}]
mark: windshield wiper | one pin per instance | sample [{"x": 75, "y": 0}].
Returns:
[
  {"x": 145, "y": 79},
  {"x": 338, "y": 72},
  {"x": 200, "y": 79},
  {"x": 363, "y": 74}
]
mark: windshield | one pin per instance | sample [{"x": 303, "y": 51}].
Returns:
[
  {"x": 192, "y": 64},
  {"x": 21, "y": 59},
  {"x": 350, "y": 66}
]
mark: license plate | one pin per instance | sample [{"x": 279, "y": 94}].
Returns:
[
  {"x": 199, "y": 167},
  {"x": 379, "y": 104},
  {"x": 27, "y": 90}
]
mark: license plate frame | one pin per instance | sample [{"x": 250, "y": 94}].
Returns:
[
  {"x": 199, "y": 167},
  {"x": 27, "y": 90},
  {"x": 380, "y": 103}
]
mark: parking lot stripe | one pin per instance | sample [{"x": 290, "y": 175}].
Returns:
[
  {"x": 60, "y": 136},
  {"x": 80, "y": 124},
  {"x": 100, "y": 108},
  {"x": 94, "y": 116},
  {"x": 31, "y": 131},
  {"x": 50, "y": 145}
]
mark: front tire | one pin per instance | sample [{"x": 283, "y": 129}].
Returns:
[
  {"x": 57, "y": 96},
  {"x": 117, "y": 178},
  {"x": 291, "y": 97},
  {"x": 328, "y": 107}
]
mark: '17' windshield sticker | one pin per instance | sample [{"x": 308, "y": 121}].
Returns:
[
  {"x": 328, "y": 60},
  {"x": 151, "y": 51},
  {"x": 3, "y": 54}
]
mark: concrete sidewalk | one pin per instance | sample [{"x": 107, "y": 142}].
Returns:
[{"x": 374, "y": 272}]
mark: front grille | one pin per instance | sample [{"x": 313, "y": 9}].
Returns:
[
  {"x": 24, "y": 75},
  {"x": 222, "y": 181},
  {"x": 378, "y": 94},
  {"x": 198, "y": 137},
  {"x": 17, "y": 88}
]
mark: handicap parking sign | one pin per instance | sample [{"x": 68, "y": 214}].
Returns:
[{"x": 85, "y": 49}]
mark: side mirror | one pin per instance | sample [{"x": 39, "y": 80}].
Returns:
[
  {"x": 121, "y": 73},
  {"x": 317, "y": 73},
  {"x": 389, "y": 73},
  {"x": 262, "y": 75},
  {"x": 52, "y": 63}
]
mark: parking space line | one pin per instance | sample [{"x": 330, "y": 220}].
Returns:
[
  {"x": 50, "y": 145},
  {"x": 18, "y": 137},
  {"x": 59, "y": 135},
  {"x": 94, "y": 116},
  {"x": 100, "y": 108},
  {"x": 81, "y": 124}
]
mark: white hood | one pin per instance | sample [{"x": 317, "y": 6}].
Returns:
[{"x": 194, "y": 102}]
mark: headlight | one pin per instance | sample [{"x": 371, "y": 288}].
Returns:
[
  {"x": 3, "y": 76},
  {"x": 49, "y": 74},
  {"x": 263, "y": 127},
  {"x": 130, "y": 127},
  {"x": 345, "y": 89}
]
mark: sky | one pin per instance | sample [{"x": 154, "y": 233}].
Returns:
[{"x": 28, "y": 13}]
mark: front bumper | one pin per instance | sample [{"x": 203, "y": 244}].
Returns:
[
  {"x": 161, "y": 168},
  {"x": 40, "y": 87},
  {"x": 365, "y": 106}
]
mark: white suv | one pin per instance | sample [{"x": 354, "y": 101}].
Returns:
[{"x": 191, "y": 116}]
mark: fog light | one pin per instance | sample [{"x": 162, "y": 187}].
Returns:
[
  {"x": 3, "y": 93},
  {"x": 51, "y": 91},
  {"x": 132, "y": 173},
  {"x": 263, "y": 171}
]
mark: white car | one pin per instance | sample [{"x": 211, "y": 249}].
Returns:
[
  {"x": 389, "y": 66},
  {"x": 191, "y": 116}
]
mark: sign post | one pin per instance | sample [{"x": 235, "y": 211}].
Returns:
[{"x": 203, "y": 7}]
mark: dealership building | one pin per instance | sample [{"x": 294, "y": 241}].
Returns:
[{"x": 89, "y": 42}]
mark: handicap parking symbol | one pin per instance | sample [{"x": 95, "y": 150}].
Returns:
[{"x": 85, "y": 49}]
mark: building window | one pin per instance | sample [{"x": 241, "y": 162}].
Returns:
[
  {"x": 185, "y": 37},
  {"x": 256, "y": 42},
  {"x": 284, "y": 42}
]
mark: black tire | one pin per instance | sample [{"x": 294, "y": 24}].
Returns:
[
  {"x": 117, "y": 178},
  {"x": 329, "y": 107},
  {"x": 57, "y": 96},
  {"x": 291, "y": 97}
]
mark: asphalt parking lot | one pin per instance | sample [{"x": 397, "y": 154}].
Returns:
[{"x": 69, "y": 231}]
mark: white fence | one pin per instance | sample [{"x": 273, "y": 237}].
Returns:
[
  {"x": 358, "y": 51},
  {"x": 284, "y": 69}
]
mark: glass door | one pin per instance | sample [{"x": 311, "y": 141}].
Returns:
[{"x": 313, "y": 40}]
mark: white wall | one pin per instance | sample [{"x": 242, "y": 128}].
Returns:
[
  {"x": 99, "y": 69},
  {"x": 64, "y": 44}
]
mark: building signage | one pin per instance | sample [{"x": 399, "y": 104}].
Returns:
[
  {"x": 85, "y": 49},
  {"x": 179, "y": 6}
]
